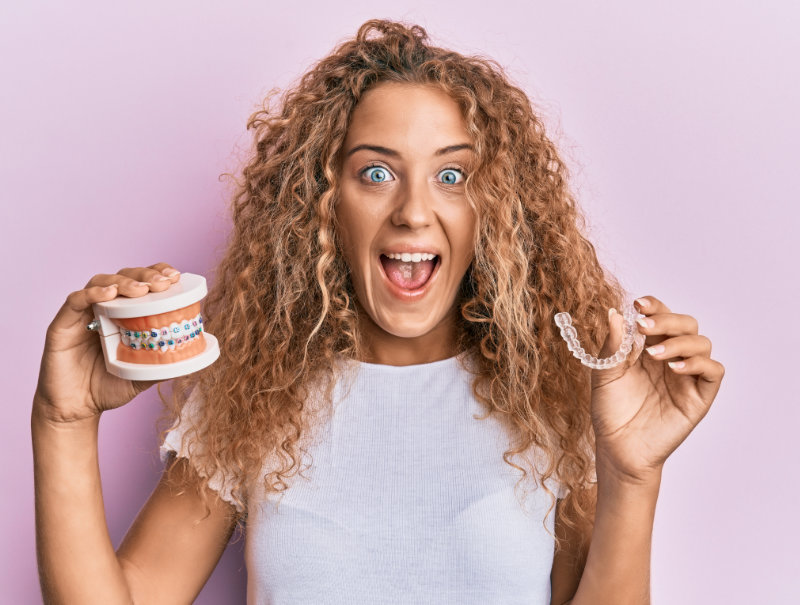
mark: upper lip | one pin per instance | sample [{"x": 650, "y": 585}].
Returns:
[{"x": 411, "y": 249}]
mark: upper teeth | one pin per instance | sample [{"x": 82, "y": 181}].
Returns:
[{"x": 407, "y": 257}]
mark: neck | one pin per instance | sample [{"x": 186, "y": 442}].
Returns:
[{"x": 381, "y": 347}]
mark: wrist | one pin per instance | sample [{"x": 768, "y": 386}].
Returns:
[
  {"x": 642, "y": 480},
  {"x": 45, "y": 414}
]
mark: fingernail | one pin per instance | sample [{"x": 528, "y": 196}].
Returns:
[
  {"x": 655, "y": 349},
  {"x": 109, "y": 288},
  {"x": 160, "y": 278},
  {"x": 645, "y": 322},
  {"x": 170, "y": 272},
  {"x": 611, "y": 312},
  {"x": 676, "y": 365},
  {"x": 142, "y": 283},
  {"x": 642, "y": 302}
]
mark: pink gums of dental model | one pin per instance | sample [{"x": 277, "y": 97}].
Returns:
[{"x": 631, "y": 338}]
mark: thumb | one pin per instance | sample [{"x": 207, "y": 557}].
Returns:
[{"x": 613, "y": 340}]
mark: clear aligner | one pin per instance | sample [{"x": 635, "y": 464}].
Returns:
[{"x": 630, "y": 338}]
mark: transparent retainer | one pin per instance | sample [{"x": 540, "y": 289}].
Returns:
[{"x": 631, "y": 340}]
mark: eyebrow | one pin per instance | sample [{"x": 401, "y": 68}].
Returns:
[{"x": 396, "y": 154}]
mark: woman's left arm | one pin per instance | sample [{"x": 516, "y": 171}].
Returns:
[{"x": 641, "y": 413}]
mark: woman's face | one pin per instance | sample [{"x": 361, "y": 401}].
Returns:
[{"x": 402, "y": 192}]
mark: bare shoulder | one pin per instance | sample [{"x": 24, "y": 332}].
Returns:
[
  {"x": 175, "y": 542},
  {"x": 568, "y": 563}
]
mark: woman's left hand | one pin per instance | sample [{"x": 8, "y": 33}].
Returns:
[{"x": 642, "y": 413}]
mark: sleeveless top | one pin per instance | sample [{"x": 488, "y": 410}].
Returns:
[{"x": 406, "y": 499}]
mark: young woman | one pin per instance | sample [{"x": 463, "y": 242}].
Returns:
[{"x": 390, "y": 372}]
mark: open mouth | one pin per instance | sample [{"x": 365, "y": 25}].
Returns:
[{"x": 410, "y": 276}]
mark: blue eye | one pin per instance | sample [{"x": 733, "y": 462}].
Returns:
[
  {"x": 377, "y": 174},
  {"x": 451, "y": 176}
]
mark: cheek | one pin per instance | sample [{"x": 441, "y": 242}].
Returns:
[
  {"x": 346, "y": 229},
  {"x": 463, "y": 232},
  {"x": 358, "y": 222},
  {"x": 354, "y": 246}
]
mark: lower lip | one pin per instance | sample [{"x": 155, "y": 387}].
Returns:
[{"x": 410, "y": 295}]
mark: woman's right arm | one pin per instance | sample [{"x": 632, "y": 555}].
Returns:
[{"x": 168, "y": 553}]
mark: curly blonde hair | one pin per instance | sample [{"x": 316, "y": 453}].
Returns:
[{"x": 282, "y": 305}]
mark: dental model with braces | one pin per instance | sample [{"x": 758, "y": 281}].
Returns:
[
  {"x": 158, "y": 336},
  {"x": 165, "y": 338},
  {"x": 631, "y": 338}
]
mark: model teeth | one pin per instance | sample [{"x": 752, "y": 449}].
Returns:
[{"x": 407, "y": 257}]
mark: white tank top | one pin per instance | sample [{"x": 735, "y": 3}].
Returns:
[{"x": 407, "y": 500}]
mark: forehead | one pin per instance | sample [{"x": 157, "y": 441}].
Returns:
[{"x": 413, "y": 117}]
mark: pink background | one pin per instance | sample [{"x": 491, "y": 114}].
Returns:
[{"x": 681, "y": 123}]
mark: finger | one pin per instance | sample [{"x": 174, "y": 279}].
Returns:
[
  {"x": 708, "y": 371},
  {"x": 138, "y": 281},
  {"x": 127, "y": 285},
  {"x": 647, "y": 305},
  {"x": 166, "y": 269},
  {"x": 157, "y": 280},
  {"x": 681, "y": 346},
  {"x": 155, "y": 272},
  {"x": 77, "y": 307},
  {"x": 667, "y": 324}
]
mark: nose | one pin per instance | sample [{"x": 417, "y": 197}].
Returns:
[{"x": 414, "y": 208}]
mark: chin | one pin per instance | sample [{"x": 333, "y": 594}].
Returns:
[
  {"x": 411, "y": 330},
  {"x": 404, "y": 325}
]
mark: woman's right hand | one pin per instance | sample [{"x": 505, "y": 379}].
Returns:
[{"x": 73, "y": 381}]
